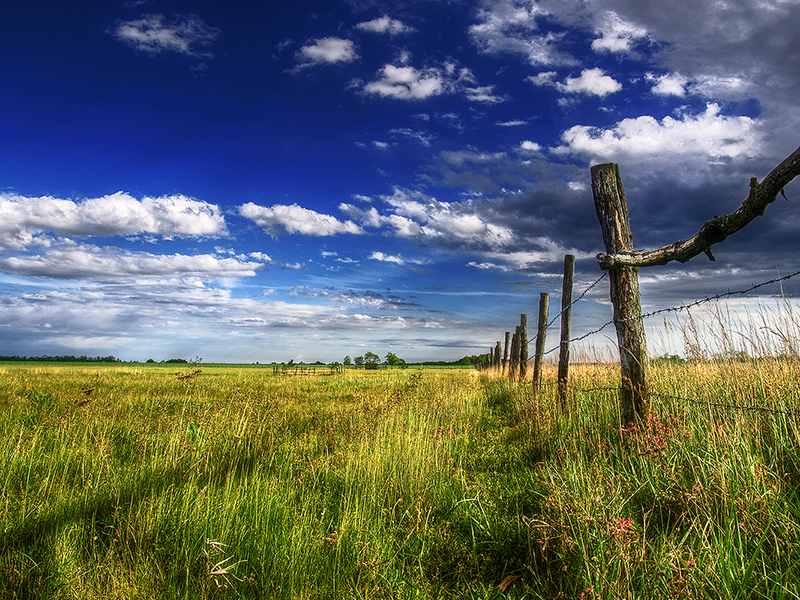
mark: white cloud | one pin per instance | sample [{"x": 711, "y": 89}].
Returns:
[
  {"x": 592, "y": 82},
  {"x": 419, "y": 136},
  {"x": 329, "y": 50},
  {"x": 483, "y": 94},
  {"x": 116, "y": 214},
  {"x": 671, "y": 84},
  {"x": 380, "y": 256},
  {"x": 68, "y": 260},
  {"x": 616, "y": 34},
  {"x": 543, "y": 78},
  {"x": 549, "y": 251},
  {"x": 509, "y": 27},
  {"x": 295, "y": 219},
  {"x": 730, "y": 87},
  {"x": 407, "y": 83},
  {"x": 153, "y": 34},
  {"x": 707, "y": 134},
  {"x": 368, "y": 217},
  {"x": 528, "y": 146},
  {"x": 516, "y": 123},
  {"x": 365, "y": 299},
  {"x": 385, "y": 24},
  {"x": 433, "y": 218}
]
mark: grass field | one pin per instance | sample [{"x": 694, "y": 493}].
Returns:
[{"x": 163, "y": 482}]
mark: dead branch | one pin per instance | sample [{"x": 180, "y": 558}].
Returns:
[{"x": 715, "y": 230}]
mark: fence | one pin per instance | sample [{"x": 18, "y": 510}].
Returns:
[
  {"x": 621, "y": 264},
  {"x": 514, "y": 372}
]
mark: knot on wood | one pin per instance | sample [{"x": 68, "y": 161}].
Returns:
[
  {"x": 606, "y": 261},
  {"x": 713, "y": 231}
]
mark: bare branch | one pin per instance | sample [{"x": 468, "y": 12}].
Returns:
[{"x": 715, "y": 230}]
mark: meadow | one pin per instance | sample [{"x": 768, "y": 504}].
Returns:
[{"x": 222, "y": 482}]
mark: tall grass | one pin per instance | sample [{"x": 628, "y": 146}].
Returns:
[{"x": 134, "y": 482}]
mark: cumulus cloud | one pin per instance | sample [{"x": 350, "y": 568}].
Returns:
[
  {"x": 544, "y": 250},
  {"x": 528, "y": 147},
  {"x": 670, "y": 84},
  {"x": 296, "y": 219},
  {"x": 329, "y": 50},
  {"x": 385, "y": 24},
  {"x": 437, "y": 219},
  {"x": 381, "y": 257},
  {"x": 709, "y": 134},
  {"x": 414, "y": 215},
  {"x": 115, "y": 214},
  {"x": 407, "y": 83},
  {"x": 185, "y": 35},
  {"x": 616, "y": 34},
  {"x": 68, "y": 260},
  {"x": 592, "y": 82},
  {"x": 510, "y": 27}
]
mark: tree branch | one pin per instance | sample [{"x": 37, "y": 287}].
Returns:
[{"x": 715, "y": 230}]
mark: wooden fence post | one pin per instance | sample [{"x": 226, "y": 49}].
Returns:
[
  {"x": 512, "y": 372},
  {"x": 523, "y": 346},
  {"x": 505, "y": 351},
  {"x": 566, "y": 326},
  {"x": 497, "y": 363},
  {"x": 541, "y": 335},
  {"x": 612, "y": 212}
]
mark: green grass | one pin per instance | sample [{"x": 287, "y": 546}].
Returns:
[{"x": 242, "y": 483}]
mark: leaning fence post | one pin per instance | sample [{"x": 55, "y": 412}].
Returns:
[
  {"x": 612, "y": 212},
  {"x": 566, "y": 325},
  {"x": 497, "y": 363},
  {"x": 523, "y": 345},
  {"x": 541, "y": 334}
]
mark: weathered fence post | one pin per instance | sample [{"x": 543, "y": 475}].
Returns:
[
  {"x": 523, "y": 345},
  {"x": 541, "y": 335},
  {"x": 566, "y": 325},
  {"x": 497, "y": 364},
  {"x": 512, "y": 372},
  {"x": 612, "y": 212},
  {"x": 505, "y": 351}
]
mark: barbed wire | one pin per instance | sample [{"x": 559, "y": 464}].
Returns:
[
  {"x": 571, "y": 304},
  {"x": 765, "y": 409},
  {"x": 714, "y": 298},
  {"x": 742, "y": 407}
]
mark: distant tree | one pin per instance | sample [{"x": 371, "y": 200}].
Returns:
[
  {"x": 393, "y": 360},
  {"x": 150, "y": 360},
  {"x": 359, "y": 360},
  {"x": 347, "y": 361},
  {"x": 370, "y": 358}
]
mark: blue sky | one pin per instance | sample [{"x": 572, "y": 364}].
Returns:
[{"x": 256, "y": 181}]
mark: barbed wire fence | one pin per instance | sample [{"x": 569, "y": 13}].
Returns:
[{"x": 671, "y": 309}]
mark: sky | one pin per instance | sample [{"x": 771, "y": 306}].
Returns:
[{"x": 264, "y": 181}]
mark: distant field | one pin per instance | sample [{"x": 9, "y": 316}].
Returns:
[{"x": 157, "y": 481}]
